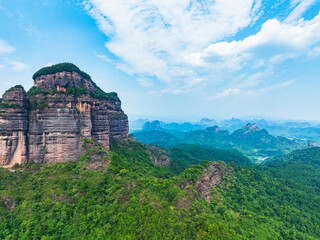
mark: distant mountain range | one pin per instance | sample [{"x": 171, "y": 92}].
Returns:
[
  {"x": 249, "y": 140},
  {"x": 290, "y": 129}
]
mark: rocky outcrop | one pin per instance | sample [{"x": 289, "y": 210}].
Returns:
[
  {"x": 210, "y": 177},
  {"x": 312, "y": 144},
  {"x": 51, "y": 122},
  {"x": 62, "y": 81},
  {"x": 158, "y": 156}
]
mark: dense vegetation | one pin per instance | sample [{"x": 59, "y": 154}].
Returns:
[
  {"x": 255, "y": 144},
  {"x": 67, "y": 67},
  {"x": 34, "y": 91},
  {"x": 304, "y": 155},
  {"x": 157, "y": 137},
  {"x": 75, "y": 91},
  {"x": 4, "y": 105},
  {"x": 184, "y": 155},
  {"x": 130, "y": 198}
]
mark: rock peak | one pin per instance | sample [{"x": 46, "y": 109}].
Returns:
[
  {"x": 16, "y": 95},
  {"x": 252, "y": 126},
  {"x": 62, "y": 76},
  {"x": 59, "y": 113}
]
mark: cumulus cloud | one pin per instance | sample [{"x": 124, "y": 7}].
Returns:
[
  {"x": 187, "y": 43},
  {"x": 284, "y": 41},
  {"x": 156, "y": 37}
]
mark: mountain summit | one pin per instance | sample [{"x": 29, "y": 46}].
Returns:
[{"x": 50, "y": 123}]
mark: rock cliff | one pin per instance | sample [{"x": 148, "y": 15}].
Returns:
[
  {"x": 211, "y": 176},
  {"x": 50, "y": 122}
]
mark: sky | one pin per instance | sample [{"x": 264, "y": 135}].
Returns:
[{"x": 175, "y": 60}]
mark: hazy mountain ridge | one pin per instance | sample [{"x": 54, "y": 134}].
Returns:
[
  {"x": 249, "y": 139},
  {"x": 290, "y": 129}
]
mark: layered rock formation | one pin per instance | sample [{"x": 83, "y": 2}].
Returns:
[
  {"x": 14, "y": 127},
  {"x": 50, "y": 123}
]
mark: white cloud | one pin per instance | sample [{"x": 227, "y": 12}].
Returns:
[
  {"x": 275, "y": 42},
  {"x": 259, "y": 92},
  {"x": 17, "y": 65},
  {"x": 5, "y": 47},
  {"x": 300, "y": 9},
  {"x": 103, "y": 57},
  {"x": 227, "y": 93},
  {"x": 251, "y": 93},
  {"x": 187, "y": 43},
  {"x": 156, "y": 38},
  {"x": 2, "y": 66},
  {"x": 145, "y": 82}
]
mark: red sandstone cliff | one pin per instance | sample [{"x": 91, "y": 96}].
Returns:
[{"x": 49, "y": 123}]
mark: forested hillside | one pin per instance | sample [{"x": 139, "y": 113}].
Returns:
[
  {"x": 250, "y": 140},
  {"x": 121, "y": 195}
]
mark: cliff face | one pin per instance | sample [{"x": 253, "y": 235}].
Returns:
[
  {"x": 50, "y": 123},
  {"x": 14, "y": 127}
]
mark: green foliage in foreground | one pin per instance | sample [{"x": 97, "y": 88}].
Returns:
[{"x": 133, "y": 199}]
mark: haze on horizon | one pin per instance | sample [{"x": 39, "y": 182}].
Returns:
[{"x": 175, "y": 60}]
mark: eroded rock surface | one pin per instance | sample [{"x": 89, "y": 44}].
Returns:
[
  {"x": 158, "y": 156},
  {"x": 50, "y": 123},
  {"x": 211, "y": 176},
  {"x": 14, "y": 127}
]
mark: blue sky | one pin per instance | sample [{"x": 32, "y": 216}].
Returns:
[{"x": 175, "y": 60}]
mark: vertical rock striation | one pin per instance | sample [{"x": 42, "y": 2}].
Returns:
[
  {"x": 50, "y": 123},
  {"x": 14, "y": 127}
]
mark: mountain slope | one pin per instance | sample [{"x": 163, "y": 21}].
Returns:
[
  {"x": 249, "y": 140},
  {"x": 157, "y": 137},
  {"x": 130, "y": 198},
  {"x": 184, "y": 155},
  {"x": 309, "y": 155}
]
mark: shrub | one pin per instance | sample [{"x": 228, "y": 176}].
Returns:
[
  {"x": 36, "y": 91},
  {"x": 13, "y": 89}
]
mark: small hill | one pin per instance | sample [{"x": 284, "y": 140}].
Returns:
[
  {"x": 308, "y": 155},
  {"x": 157, "y": 137},
  {"x": 184, "y": 155}
]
